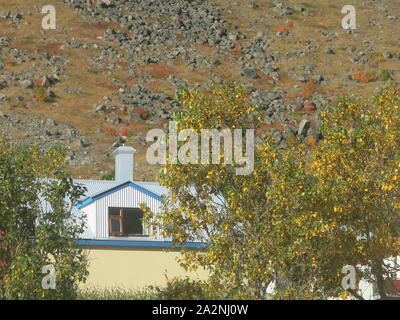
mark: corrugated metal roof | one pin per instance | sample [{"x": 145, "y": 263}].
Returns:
[{"x": 95, "y": 187}]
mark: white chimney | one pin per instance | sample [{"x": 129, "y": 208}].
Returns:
[{"x": 124, "y": 163}]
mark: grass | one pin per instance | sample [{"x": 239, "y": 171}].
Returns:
[
  {"x": 175, "y": 289},
  {"x": 293, "y": 17},
  {"x": 308, "y": 5},
  {"x": 116, "y": 293},
  {"x": 28, "y": 40},
  {"x": 92, "y": 71},
  {"x": 384, "y": 75},
  {"x": 165, "y": 19}
]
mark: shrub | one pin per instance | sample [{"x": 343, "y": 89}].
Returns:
[
  {"x": 182, "y": 289},
  {"x": 124, "y": 132},
  {"x": 379, "y": 59},
  {"x": 175, "y": 289},
  {"x": 116, "y": 293},
  {"x": 309, "y": 107},
  {"x": 40, "y": 94},
  {"x": 363, "y": 77},
  {"x": 92, "y": 71},
  {"x": 111, "y": 131},
  {"x": 281, "y": 29},
  {"x": 9, "y": 63},
  {"x": 141, "y": 112},
  {"x": 109, "y": 175},
  {"x": 165, "y": 19},
  {"x": 385, "y": 75},
  {"x": 289, "y": 24}
]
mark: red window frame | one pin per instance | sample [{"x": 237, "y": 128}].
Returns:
[
  {"x": 121, "y": 224},
  {"x": 120, "y": 218}
]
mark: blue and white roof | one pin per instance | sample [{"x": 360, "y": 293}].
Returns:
[{"x": 99, "y": 188}]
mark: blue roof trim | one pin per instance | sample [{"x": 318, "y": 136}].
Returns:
[
  {"x": 128, "y": 243},
  {"x": 115, "y": 189}
]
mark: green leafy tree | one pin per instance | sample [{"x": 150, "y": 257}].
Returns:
[{"x": 37, "y": 228}]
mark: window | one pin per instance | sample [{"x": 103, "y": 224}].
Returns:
[{"x": 125, "y": 222}]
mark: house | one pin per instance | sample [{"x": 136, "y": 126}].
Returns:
[{"x": 122, "y": 250}]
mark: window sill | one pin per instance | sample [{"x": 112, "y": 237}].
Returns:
[{"x": 130, "y": 238}]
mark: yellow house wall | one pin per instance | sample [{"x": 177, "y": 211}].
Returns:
[{"x": 134, "y": 267}]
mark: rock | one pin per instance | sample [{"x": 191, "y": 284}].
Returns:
[
  {"x": 117, "y": 120},
  {"x": 300, "y": 8},
  {"x": 387, "y": 55},
  {"x": 288, "y": 132},
  {"x": 123, "y": 139},
  {"x": 3, "y": 97},
  {"x": 84, "y": 142},
  {"x": 302, "y": 78},
  {"x": 319, "y": 100},
  {"x": 233, "y": 36},
  {"x": 3, "y": 84},
  {"x": 5, "y": 41},
  {"x": 106, "y": 2},
  {"x": 318, "y": 78},
  {"x": 44, "y": 81},
  {"x": 50, "y": 93},
  {"x": 329, "y": 50},
  {"x": 283, "y": 33},
  {"x": 282, "y": 10},
  {"x": 249, "y": 73},
  {"x": 253, "y": 5},
  {"x": 101, "y": 108},
  {"x": 303, "y": 127},
  {"x": 216, "y": 63},
  {"x": 50, "y": 122},
  {"x": 53, "y": 132},
  {"x": 199, "y": 22},
  {"x": 26, "y": 84}
]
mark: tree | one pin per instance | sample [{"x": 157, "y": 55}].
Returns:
[
  {"x": 338, "y": 203},
  {"x": 209, "y": 202},
  {"x": 303, "y": 213},
  {"x": 36, "y": 223}
]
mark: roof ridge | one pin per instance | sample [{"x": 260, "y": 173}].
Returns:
[{"x": 120, "y": 185}]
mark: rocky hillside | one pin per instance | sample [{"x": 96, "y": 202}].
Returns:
[{"x": 111, "y": 68}]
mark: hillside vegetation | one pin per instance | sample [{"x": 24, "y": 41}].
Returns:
[{"x": 112, "y": 70}]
